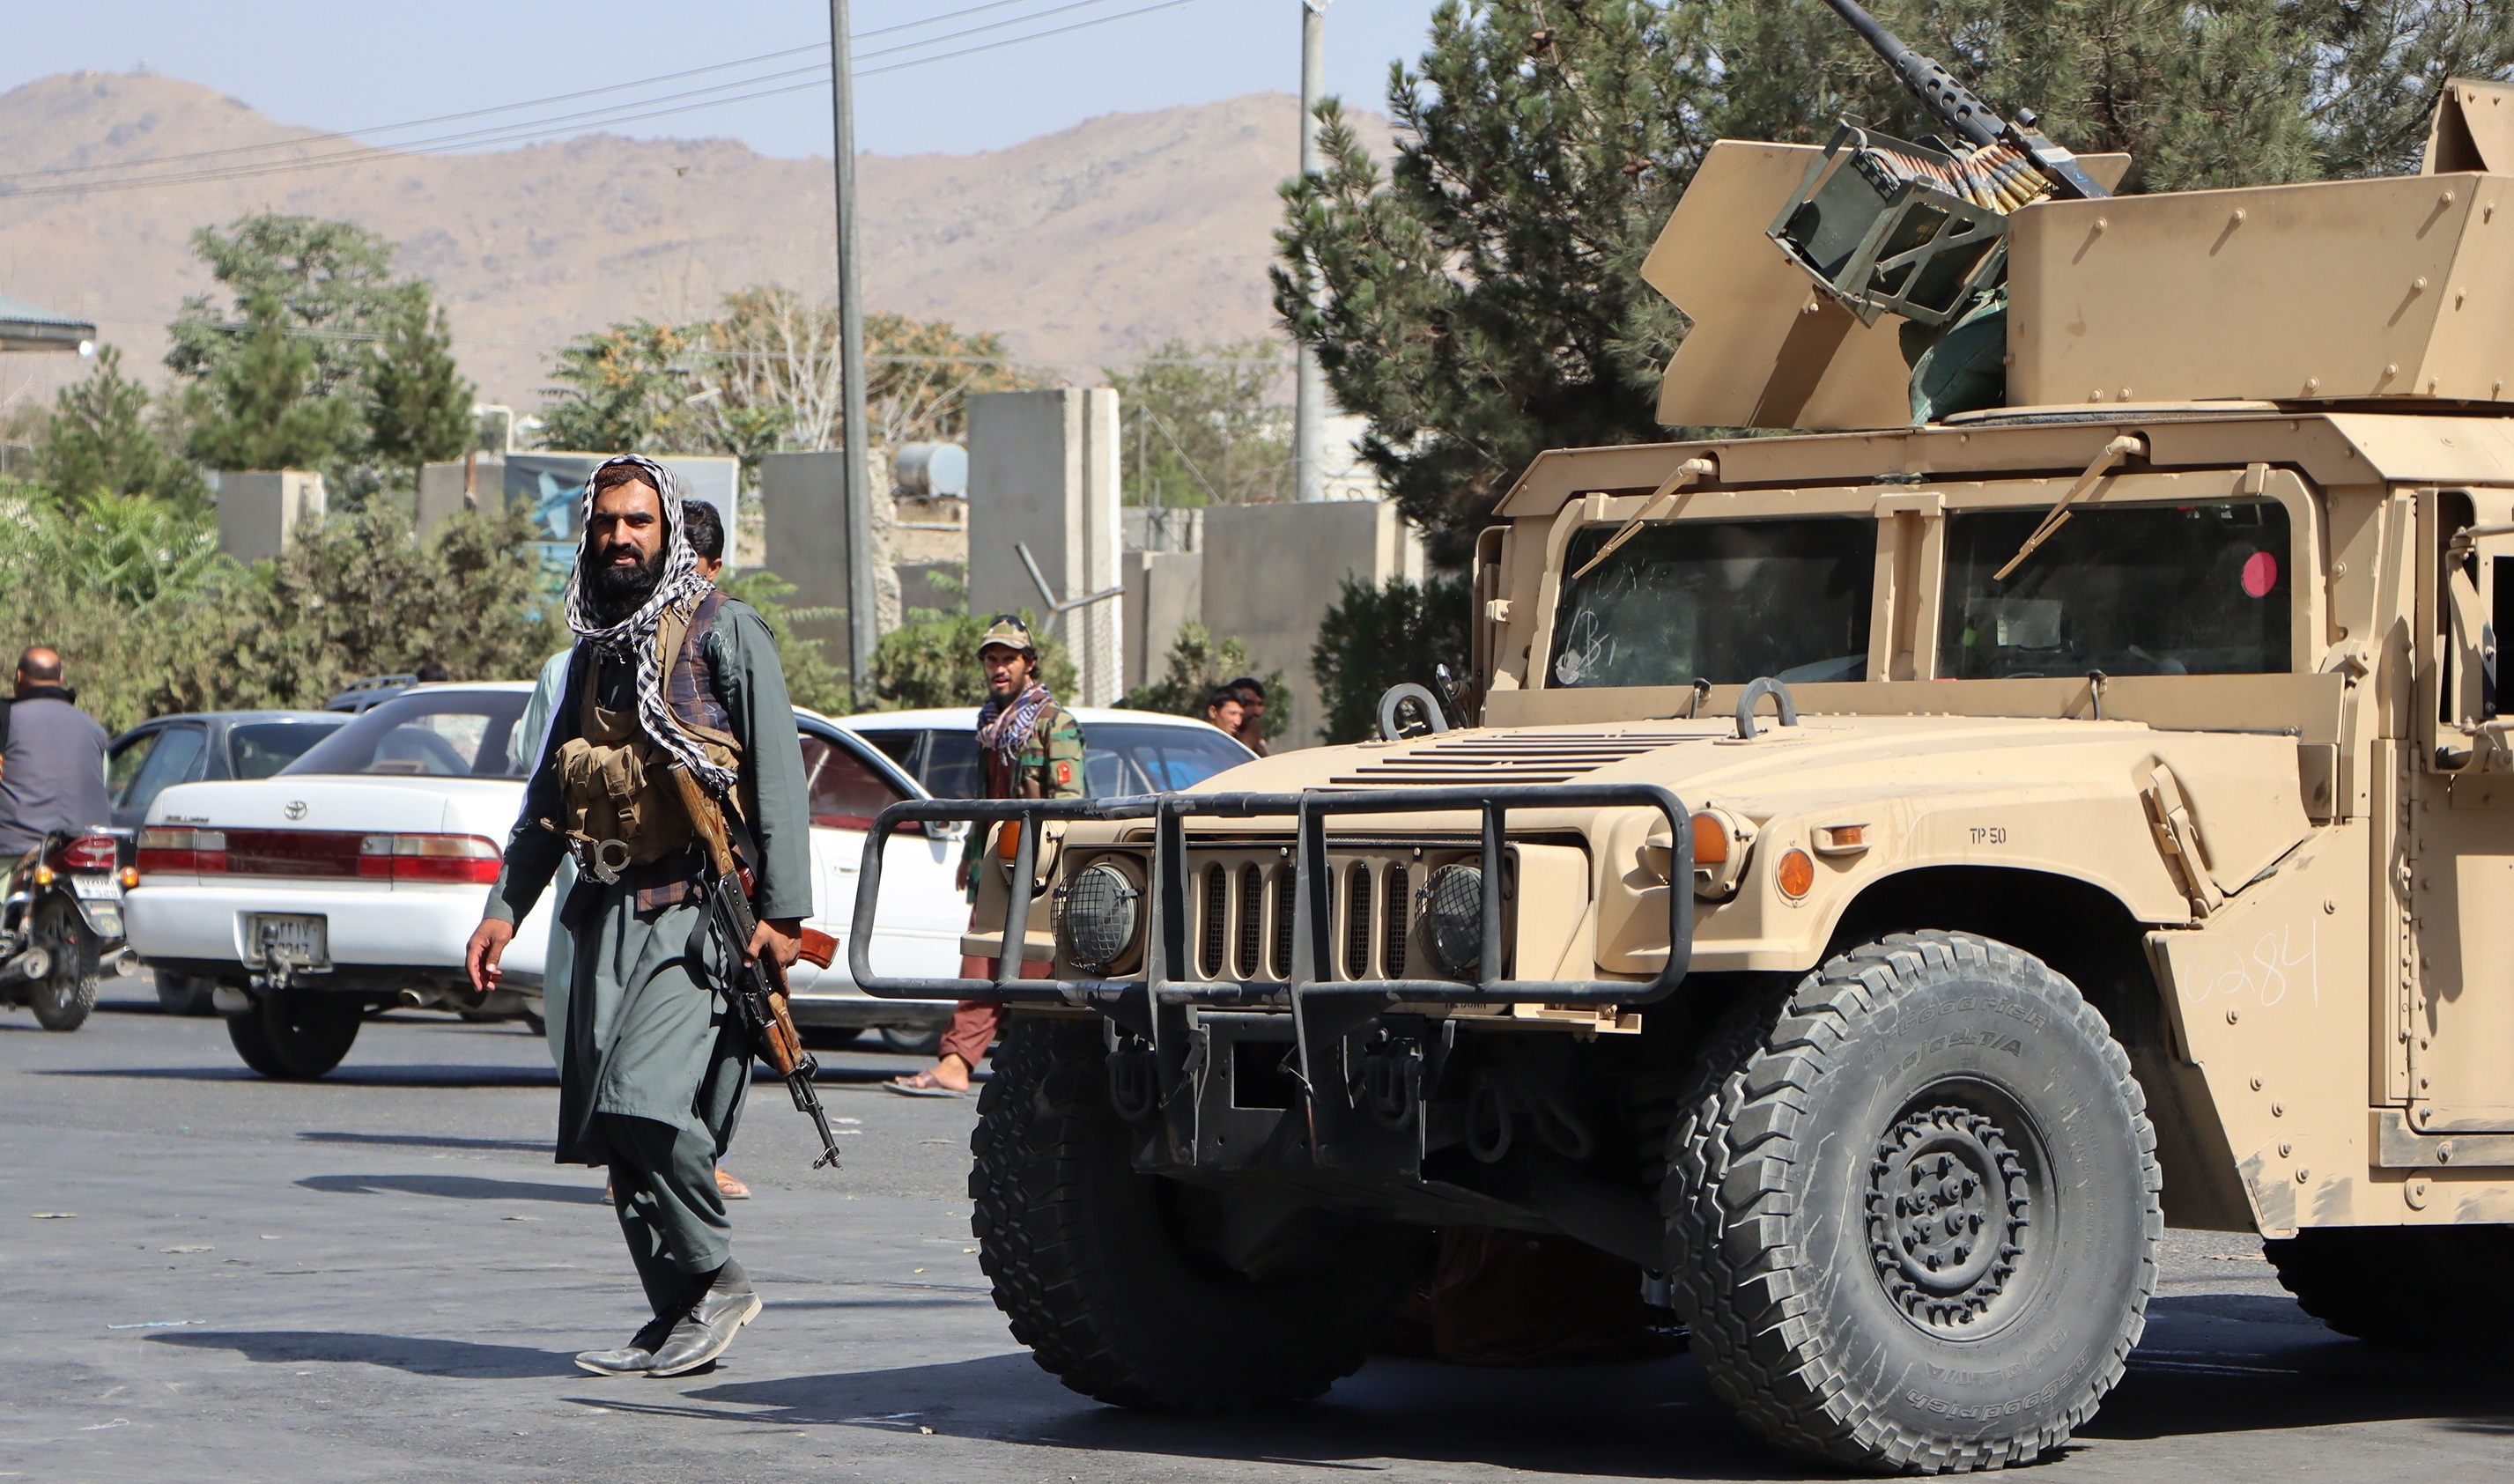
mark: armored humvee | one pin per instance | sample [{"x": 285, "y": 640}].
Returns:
[{"x": 1891, "y": 871}]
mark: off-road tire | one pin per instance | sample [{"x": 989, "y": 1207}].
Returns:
[
  {"x": 1088, "y": 1265},
  {"x": 184, "y": 993},
  {"x": 295, "y": 1037},
  {"x": 2351, "y": 1279},
  {"x": 1844, "y": 1185},
  {"x": 67, "y": 993}
]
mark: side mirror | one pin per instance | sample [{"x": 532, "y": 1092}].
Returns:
[{"x": 938, "y": 829}]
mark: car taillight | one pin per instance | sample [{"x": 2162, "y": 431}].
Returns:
[
  {"x": 172, "y": 850},
  {"x": 429, "y": 858},
  {"x": 87, "y": 852}
]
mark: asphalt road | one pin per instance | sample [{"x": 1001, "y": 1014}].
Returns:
[{"x": 210, "y": 1276}]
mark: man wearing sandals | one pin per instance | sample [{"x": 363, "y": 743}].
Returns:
[
  {"x": 1031, "y": 748},
  {"x": 670, "y": 675}
]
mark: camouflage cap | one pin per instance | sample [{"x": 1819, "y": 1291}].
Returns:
[{"x": 1011, "y": 632}]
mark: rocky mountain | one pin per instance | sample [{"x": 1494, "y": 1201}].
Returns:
[{"x": 1077, "y": 246}]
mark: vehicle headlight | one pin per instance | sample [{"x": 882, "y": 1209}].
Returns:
[
  {"x": 1453, "y": 919},
  {"x": 1097, "y": 918}
]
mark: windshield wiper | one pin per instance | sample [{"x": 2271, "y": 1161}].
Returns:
[
  {"x": 2114, "y": 452},
  {"x": 1686, "y": 473}
]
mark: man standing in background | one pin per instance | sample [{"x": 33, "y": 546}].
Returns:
[
  {"x": 1030, "y": 748},
  {"x": 705, "y": 531},
  {"x": 1251, "y": 731}
]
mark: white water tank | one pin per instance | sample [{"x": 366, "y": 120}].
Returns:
[{"x": 932, "y": 470}]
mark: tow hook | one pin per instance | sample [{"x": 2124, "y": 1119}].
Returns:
[
  {"x": 279, "y": 967},
  {"x": 1392, "y": 1082},
  {"x": 1134, "y": 1088}
]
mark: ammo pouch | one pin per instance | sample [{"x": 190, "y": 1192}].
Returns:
[{"x": 622, "y": 807}]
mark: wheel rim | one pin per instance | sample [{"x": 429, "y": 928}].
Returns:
[{"x": 1955, "y": 1190}]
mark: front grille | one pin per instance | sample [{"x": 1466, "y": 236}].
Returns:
[
  {"x": 1396, "y": 921},
  {"x": 1217, "y": 909},
  {"x": 1252, "y": 915},
  {"x": 1279, "y": 953},
  {"x": 1356, "y": 921}
]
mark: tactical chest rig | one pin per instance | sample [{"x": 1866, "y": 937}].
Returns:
[{"x": 621, "y": 809}]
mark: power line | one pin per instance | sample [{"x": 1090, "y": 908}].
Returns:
[
  {"x": 531, "y": 130},
  {"x": 619, "y": 87}
]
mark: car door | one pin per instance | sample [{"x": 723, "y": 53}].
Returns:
[{"x": 918, "y": 926}]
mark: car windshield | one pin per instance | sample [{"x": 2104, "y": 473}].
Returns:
[
  {"x": 1119, "y": 757},
  {"x": 437, "y": 734},
  {"x": 260, "y": 748},
  {"x": 1724, "y": 601},
  {"x": 2196, "y": 589}
]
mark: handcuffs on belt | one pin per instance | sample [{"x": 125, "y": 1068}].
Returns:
[{"x": 595, "y": 859}]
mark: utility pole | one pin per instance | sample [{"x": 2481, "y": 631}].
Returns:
[
  {"x": 863, "y": 620},
  {"x": 1309, "y": 384}
]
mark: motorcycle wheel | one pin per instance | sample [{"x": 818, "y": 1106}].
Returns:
[{"x": 62, "y": 998}]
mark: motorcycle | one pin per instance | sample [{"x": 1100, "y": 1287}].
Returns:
[{"x": 60, "y": 926}]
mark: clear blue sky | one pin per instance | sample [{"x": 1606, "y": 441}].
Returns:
[{"x": 346, "y": 65}]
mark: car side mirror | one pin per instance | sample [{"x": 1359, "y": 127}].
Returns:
[{"x": 938, "y": 829}]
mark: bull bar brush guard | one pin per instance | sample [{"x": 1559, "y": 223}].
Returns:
[{"x": 1326, "y": 1011}]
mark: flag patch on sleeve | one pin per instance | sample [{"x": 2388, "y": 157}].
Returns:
[{"x": 1064, "y": 771}]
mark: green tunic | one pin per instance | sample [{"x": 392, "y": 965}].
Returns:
[{"x": 646, "y": 1036}]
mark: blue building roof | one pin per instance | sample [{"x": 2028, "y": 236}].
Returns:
[{"x": 23, "y": 327}]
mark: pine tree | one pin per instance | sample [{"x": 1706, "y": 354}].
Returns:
[
  {"x": 100, "y": 439},
  {"x": 419, "y": 406},
  {"x": 262, "y": 406}
]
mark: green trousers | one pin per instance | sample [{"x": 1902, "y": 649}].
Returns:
[{"x": 662, "y": 1186}]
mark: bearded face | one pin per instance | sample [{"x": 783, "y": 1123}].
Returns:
[{"x": 622, "y": 578}]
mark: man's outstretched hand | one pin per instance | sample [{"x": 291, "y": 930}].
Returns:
[{"x": 488, "y": 943}]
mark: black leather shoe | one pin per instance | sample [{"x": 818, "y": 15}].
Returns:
[
  {"x": 634, "y": 1358},
  {"x": 724, "y": 1309}
]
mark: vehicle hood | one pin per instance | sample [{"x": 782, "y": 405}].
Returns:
[{"x": 484, "y": 807}]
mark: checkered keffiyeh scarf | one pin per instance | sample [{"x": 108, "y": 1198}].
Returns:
[
  {"x": 1005, "y": 725},
  {"x": 632, "y": 638}
]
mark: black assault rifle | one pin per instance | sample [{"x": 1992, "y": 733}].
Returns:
[
  {"x": 1956, "y": 107},
  {"x": 758, "y": 990}
]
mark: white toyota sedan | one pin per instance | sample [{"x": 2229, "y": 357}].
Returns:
[{"x": 353, "y": 878}]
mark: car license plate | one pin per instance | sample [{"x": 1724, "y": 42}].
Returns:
[
  {"x": 302, "y": 939},
  {"x": 95, "y": 886}
]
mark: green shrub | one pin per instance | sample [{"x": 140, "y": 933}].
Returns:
[
  {"x": 1197, "y": 663},
  {"x": 1376, "y": 638}
]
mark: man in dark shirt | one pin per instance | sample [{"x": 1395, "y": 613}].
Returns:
[{"x": 52, "y": 759}]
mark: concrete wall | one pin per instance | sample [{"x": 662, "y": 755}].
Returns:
[
  {"x": 1272, "y": 571},
  {"x": 258, "y": 511},
  {"x": 805, "y": 498},
  {"x": 464, "y": 484},
  {"x": 1164, "y": 589},
  {"x": 1043, "y": 475}
]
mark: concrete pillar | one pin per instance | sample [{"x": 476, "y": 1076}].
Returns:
[
  {"x": 805, "y": 498},
  {"x": 1043, "y": 475},
  {"x": 260, "y": 510},
  {"x": 1164, "y": 589},
  {"x": 474, "y": 481},
  {"x": 1272, "y": 571}
]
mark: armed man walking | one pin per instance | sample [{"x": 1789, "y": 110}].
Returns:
[
  {"x": 670, "y": 677},
  {"x": 1031, "y": 748}
]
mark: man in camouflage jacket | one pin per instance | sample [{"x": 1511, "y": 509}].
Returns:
[{"x": 1029, "y": 748}]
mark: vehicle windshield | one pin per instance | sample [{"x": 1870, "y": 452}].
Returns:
[
  {"x": 435, "y": 734},
  {"x": 1117, "y": 758},
  {"x": 260, "y": 748},
  {"x": 1724, "y": 601},
  {"x": 2196, "y": 589}
]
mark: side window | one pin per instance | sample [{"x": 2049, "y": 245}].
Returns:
[
  {"x": 124, "y": 766},
  {"x": 952, "y": 769},
  {"x": 900, "y": 747},
  {"x": 845, "y": 793},
  {"x": 169, "y": 763}
]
